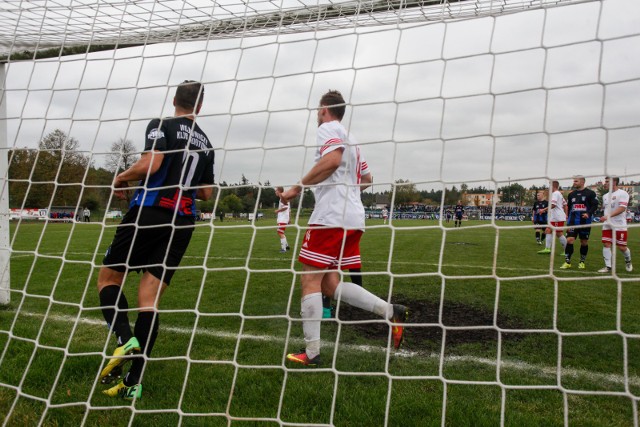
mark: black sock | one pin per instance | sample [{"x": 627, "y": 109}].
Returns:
[
  {"x": 537, "y": 235},
  {"x": 543, "y": 237},
  {"x": 326, "y": 301},
  {"x": 583, "y": 252},
  {"x": 146, "y": 330},
  {"x": 568, "y": 251},
  {"x": 120, "y": 320},
  {"x": 356, "y": 277}
]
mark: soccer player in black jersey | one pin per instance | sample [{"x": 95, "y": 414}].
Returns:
[
  {"x": 539, "y": 216},
  {"x": 175, "y": 168},
  {"x": 458, "y": 211},
  {"x": 582, "y": 204}
]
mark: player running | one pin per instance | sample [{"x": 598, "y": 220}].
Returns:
[
  {"x": 539, "y": 216},
  {"x": 175, "y": 169},
  {"x": 557, "y": 215},
  {"x": 458, "y": 212},
  {"x": 332, "y": 240},
  {"x": 283, "y": 219},
  {"x": 615, "y": 224},
  {"x": 582, "y": 205}
]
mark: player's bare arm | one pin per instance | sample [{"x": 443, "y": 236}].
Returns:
[
  {"x": 366, "y": 181},
  {"x": 204, "y": 193},
  {"x": 617, "y": 211},
  {"x": 147, "y": 164},
  {"x": 322, "y": 170}
]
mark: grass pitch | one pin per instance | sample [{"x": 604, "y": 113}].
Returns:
[{"x": 498, "y": 333}]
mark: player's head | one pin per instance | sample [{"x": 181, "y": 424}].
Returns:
[
  {"x": 279, "y": 190},
  {"x": 578, "y": 182},
  {"x": 540, "y": 195},
  {"x": 331, "y": 107},
  {"x": 614, "y": 181},
  {"x": 189, "y": 96},
  {"x": 555, "y": 185}
]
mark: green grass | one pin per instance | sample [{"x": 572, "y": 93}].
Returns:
[{"x": 568, "y": 341}]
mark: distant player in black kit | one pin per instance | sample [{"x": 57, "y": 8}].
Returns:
[
  {"x": 582, "y": 204},
  {"x": 539, "y": 216},
  {"x": 458, "y": 212},
  {"x": 175, "y": 169}
]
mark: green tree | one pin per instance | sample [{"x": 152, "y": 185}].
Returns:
[
  {"x": 232, "y": 203},
  {"x": 21, "y": 164},
  {"x": 122, "y": 156},
  {"x": 452, "y": 196},
  {"x": 405, "y": 192},
  {"x": 513, "y": 193}
]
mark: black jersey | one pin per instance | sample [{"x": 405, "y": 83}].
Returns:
[
  {"x": 580, "y": 202},
  {"x": 537, "y": 216},
  {"x": 187, "y": 163},
  {"x": 459, "y": 210}
]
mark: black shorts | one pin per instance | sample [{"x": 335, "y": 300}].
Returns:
[
  {"x": 160, "y": 242},
  {"x": 580, "y": 233},
  {"x": 459, "y": 216}
]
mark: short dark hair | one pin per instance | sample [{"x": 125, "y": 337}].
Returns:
[
  {"x": 333, "y": 97},
  {"x": 556, "y": 183},
  {"x": 189, "y": 94},
  {"x": 615, "y": 179}
]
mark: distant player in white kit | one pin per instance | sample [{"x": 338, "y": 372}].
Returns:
[
  {"x": 557, "y": 216},
  {"x": 332, "y": 241},
  {"x": 283, "y": 219},
  {"x": 385, "y": 215},
  {"x": 615, "y": 223}
]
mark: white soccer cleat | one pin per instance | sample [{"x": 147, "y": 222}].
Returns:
[
  {"x": 605, "y": 270},
  {"x": 628, "y": 266}
]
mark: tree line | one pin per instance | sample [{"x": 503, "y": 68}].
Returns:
[{"x": 57, "y": 173}]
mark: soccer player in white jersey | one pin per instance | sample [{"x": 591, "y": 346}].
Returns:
[
  {"x": 284, "y": 213},
  {"x": 332, "y": 241},
  {"x": 557, "y": 209},
  {"x": 615, "y": 223}
]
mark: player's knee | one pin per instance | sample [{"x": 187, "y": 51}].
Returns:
[{"x": 108, "y": 276}]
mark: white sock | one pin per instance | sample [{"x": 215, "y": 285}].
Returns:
[
  {"x": 563, "y": 241},
  {"x": 547, "y": 241},
  {"x": 311, "y": 312},
  {"x": 627, "y": 255},
  {"x": 606, "y": 254},
  {"x": 358, "y": 296},
  {"x": 283, "y": 242}
]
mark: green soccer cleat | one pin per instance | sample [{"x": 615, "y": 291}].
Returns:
[
  {"x": 565, "y": 266},
  {"x": 125, "y": 392},
  {"x": 545, "y": 251},
  {"x": 113, "y": 370},
  {"x": 581, "y": 265},
  {"x": 114, "y": 375}
]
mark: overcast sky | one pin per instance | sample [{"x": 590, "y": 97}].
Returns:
[{"x": 518, "y": 97}]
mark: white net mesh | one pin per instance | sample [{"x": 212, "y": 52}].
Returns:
[{"x": 445, "y": 96}]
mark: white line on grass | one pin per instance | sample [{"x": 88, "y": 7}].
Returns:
[{"x": 540, "y": 370}]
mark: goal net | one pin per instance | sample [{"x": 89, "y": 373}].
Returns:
[{"x": 477, "y": 102}]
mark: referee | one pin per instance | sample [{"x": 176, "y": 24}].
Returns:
[{"x": 175, "y": 168}]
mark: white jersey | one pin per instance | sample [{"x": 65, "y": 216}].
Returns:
[
  {"x": 283, "y": 216},
  {"x": 556, "y": 207},
  {"x": 611, "y": 202},
  {"x": 338, "y": 200}
]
